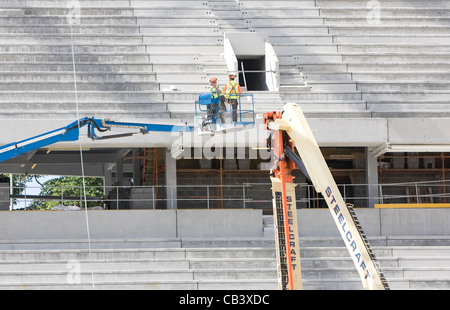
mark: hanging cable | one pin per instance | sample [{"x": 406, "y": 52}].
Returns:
[{"x": 74, "y": 17}]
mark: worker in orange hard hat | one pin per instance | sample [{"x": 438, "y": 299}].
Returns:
[
  {"x": 232, "y": 91},
  {"x": 217, "y": 93}
]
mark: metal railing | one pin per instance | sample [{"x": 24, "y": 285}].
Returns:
[{"x": 246, "y": 195}]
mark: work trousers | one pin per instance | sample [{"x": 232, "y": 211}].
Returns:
[{"x": 234, "y": 105}]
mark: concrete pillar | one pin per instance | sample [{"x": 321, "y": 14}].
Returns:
[
  {"x": 171, "y": 179},
  {"x": 108, "y": 178},
  {"x": 119, "y": 172},
  {"x": 136, "y": 168},
  {"x": 371, "y": 179},
  {"x": 4, "y": 196}
]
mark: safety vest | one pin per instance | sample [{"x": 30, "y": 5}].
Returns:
[
  {"x": 232, "y": 90},
  {"x": 214, "y": 93}
]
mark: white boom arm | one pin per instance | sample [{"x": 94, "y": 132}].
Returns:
[{"x": 294, "y": 123}]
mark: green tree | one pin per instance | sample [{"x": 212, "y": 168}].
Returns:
[
  {"x": 71, "y": 188},
  {"x": 19, "y": 183}
]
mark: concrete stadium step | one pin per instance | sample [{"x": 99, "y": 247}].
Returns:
[
  {"x": 409, "y": 107},
  {"x": 145, "y": 285},
  {"x": 164, "y": 67},
  {"x": 182, "y": 38},
  {"x": 334, "y": 105},
  {"x": 292, "y": 12},
  {"x": 413, "y": 57},
  {"x": 56, "y": 3},
  {"x": 154, "y": 285},
  {"x": 183, "y": 57},
  {"x": 326, "y": 76},
  {"x": 265, "y": 21},
  {"x": 103, "y": 276},
  {"x": 96, "y": 266},
  {"x": 62, "y": 11},
  {"x": 117, "y": 58},
  {"x": 192, "y": 47},
  {"x": 425, "y": 95},
  {"x": 67, "y": 76},
  {"x": 176, "y": 21},
  {"x": 174, "y": 12},
  {"x": 283, "y": 29},
  {"x": 82, "y": 68},
  {"x": 386, "y": 29},
  {"x": 52, "y": 96},
  {"x": 81, "y": 86},
  {"x": 78, "y": 39},
  {"x": 61, "y": 21},
  {"x": 91, "y": 106},
  {"x": 401, "y": 263},
  {"x": 199, "y": 78},
  {"x": 323, "y": 95},
  {"x": 330, "y": 85},
  {"x": 64, "y": 29},
  {"x": 402, "y": 67},
  {"x": 392, "y": 48},
  {"x": 199, "y": 255},
  {"x": 290, "y": 50},
  {"x": 322, "y": 67},
  {"x": 388, "y": 21},
  {"x": 143, "y": 4},
  {"x": 300, "y": 39},
  {"x": 384, "y": 4},
  {"x": 169, "y": 29},
  {"x": 299, "y": 59},
  {"x": 278, "y": 4},
  {"x": 66, "y": 49},
  {"x": 235, "y": 263},
  {"x": 361, "y": 12},
  {"x": 402, "y": 86},
  {"x": 72, "y": 114},
  {"x": 393, "y": 38}
]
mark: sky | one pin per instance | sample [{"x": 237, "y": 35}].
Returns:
[{"x": 33, "y": 188}]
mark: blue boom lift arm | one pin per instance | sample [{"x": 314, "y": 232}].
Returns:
[{"x": 71, "y": 132}]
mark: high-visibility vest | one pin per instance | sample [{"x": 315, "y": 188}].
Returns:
[
  {"x": 214, "y": 93},
  {"x": 232, "y": 90}
]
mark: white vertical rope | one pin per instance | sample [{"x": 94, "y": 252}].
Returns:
[{"x": 80, "y": 146}]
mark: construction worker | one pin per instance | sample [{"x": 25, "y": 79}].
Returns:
[
  {"x": 217, "y": 93},
  {"x": 232, "y": 91}
]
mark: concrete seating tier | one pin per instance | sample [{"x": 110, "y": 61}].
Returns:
[
  {"x": 320, "y": 45},
  {"x": 115, "y": 77},
  {"x": 397, "y": 62},
  {"x": 399, "y": 57},
  {"x": 200, "y": 264}
]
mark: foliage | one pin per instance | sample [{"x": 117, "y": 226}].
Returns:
[
  {"x": 4, "y": 178},
  {"x": 71, "y": 188},
  {"x": 19, "y": 183}
]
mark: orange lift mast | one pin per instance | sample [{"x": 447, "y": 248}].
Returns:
[
  {"x": 289, "y": 129},
  {"x": 283, "y": 187}
]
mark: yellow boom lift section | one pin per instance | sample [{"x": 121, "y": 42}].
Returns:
[{"x": 288, "y": 130}]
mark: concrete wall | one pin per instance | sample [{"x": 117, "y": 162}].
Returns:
[
  {"x": 142, "y": 224},
  {"x": 379, "y": 222},
  {"x": 125, "y": 224}
]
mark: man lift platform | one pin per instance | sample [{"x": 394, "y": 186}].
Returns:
[
  {"x": 208, "y": 114},
  {"x": 288, "y": 130}
]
